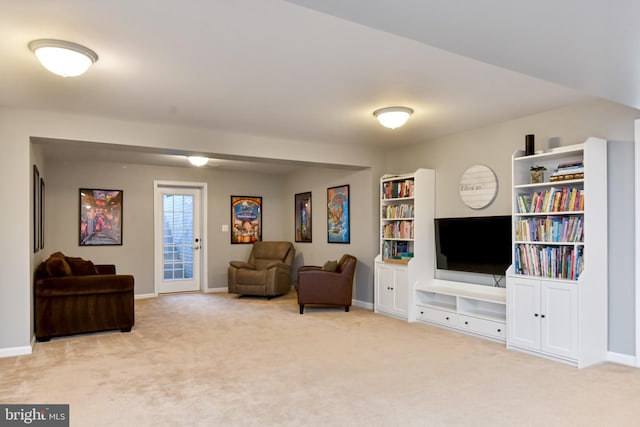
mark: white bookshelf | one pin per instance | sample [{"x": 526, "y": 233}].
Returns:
[
  {"x": 406, "y": 240},
  {"x": 557, "y": 286}
]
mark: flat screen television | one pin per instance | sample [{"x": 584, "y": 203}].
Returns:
[{"x": 474, "y": 244}]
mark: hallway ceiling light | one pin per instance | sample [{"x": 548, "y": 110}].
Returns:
[
  {"x": 393, "y": 117},
  {"x": 197, "y": 160},
  {"x": 63, "y": 58}
]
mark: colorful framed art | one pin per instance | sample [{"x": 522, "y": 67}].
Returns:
[
  {"x": 303, "y": 217},
  {"x": 338, "y": 215},
  {"x": 246, "y": 219}
]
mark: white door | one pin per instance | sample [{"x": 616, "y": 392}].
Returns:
[
  {"x": 400, "y": 292},
  {"x": 384, "y": 288},
  {"x": 523, "y": 312},
  {"x": 178, "y": 240},
  {"x": 559, "y": 306}
]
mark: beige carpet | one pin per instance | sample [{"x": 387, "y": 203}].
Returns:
[{"x": 216, "y": 360}]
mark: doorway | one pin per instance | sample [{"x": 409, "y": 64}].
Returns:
[{"x": 179, "y": 227}]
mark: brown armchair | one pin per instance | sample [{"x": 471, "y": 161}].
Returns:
[
  {"x": 317, "y": 285},
  {"x": 266, "y": 273}
]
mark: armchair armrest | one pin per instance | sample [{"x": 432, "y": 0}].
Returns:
[
  {"x": 277, "y": 265},
  {"x": 309, "y": 268},
  {"x": 242, "y": 264}
]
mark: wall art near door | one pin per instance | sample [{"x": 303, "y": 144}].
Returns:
[
  {"x": 303, "y": 217},
  {"x": 246, "y": 219},
  {"x": 36, "y": 209},
  {"x": 41, "y": 224},
  {"x": 100, "y": 217},
  {"x": 338, "y": 216}
]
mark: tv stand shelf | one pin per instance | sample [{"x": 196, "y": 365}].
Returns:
[{"x": 476, "y": 309}]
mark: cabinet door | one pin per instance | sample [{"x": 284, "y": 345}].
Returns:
[
  {"x": 401, "y": 291},
  {"x": 523, "y": 314},
  {"x": 559, "y": 318},
  {"x": 384, "y": 288}
]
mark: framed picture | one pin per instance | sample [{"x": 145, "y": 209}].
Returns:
[
  {"x": 41, "y": 223},
  {"x": 338, "y": 216},
  {"x": 303, "y": 217},
  {"x": 246, "y": 219},
  {"x": 36, "y": 209},
  {"x": 100, "y": 217}
]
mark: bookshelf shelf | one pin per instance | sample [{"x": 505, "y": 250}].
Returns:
[{"x": 557, "y": 283}]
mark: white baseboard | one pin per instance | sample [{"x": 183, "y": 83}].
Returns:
[
  {"x": 623, "y": 359},
  {"x": 16, "y": 351},
  {"x": 144, "y": 296},
  {"x": 219, "y": 289},
  {"x": 362, "y": 304}
]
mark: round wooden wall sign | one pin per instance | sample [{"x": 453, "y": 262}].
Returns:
[{"x": 478, "y": 186}]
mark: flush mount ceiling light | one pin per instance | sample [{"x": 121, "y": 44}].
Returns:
[
  {"x": 63, "y": 58},
  {"x": 197, "y": 160},
  {"x": 393, "y": 117}
]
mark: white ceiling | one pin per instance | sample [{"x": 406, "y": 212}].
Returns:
[{"x": 281, "y": 69}]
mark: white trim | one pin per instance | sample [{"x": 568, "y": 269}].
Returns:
[
  {"x": 362, "y": 304},
  {"x": 16, "y": 351},
  {"x": 637, "y": 238},
  {"x": 145, "y": 296},
  {"x": 623, "y": 359},
  {"x": 218, "y": 289}
]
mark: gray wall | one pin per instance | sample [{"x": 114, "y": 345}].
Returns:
[
  {"x": 494, "y": 145},
  {"x": 136, "y": 255}
]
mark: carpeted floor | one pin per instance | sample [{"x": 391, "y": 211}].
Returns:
[{"x": 219, "y": 360}]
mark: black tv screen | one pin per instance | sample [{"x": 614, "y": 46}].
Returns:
[{"x": 474, "y": 244}]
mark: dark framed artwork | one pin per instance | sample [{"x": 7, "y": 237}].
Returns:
[
  {"x": 100, "y": 217},
  {"x": 36, "y": 209},
  {"x": 246, "y": 219},
  {"x": 41, "y": 222},
  {"x": 338, "y": 215},
  {"x": 303, "y": 217}
]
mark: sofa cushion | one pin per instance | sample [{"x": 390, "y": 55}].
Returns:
[
  {"x": 81, "y": 267},
  {"x": 57, "y": 267},
  {"x": 331, "y": 266}
]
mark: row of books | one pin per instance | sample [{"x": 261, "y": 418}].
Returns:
[
  {"x": 395, "y": 249},
  {"x": 552, "y": 200},
  {"x": 568, "y": 170},
  {"x": 559, "y": 262},
  {"x": 397, "y": 211},
  {"x": 397, "y": 189},
  {"x": 398, "y": 230},
  {"x": 550, "y": 229}
]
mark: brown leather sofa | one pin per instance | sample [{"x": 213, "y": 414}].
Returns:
[
  {"x": 321, "y": 285},
  {"x": 74, "y": 296},
  {"x": 267, "y": 272}
]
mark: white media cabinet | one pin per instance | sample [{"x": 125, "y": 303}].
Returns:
[
  {"x": 406, "y": 287},
  {"x": 476, "y": 309}
]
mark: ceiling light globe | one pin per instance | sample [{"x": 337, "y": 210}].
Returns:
[
  {"x": 63, "y": 58},
  {"x": 393, "y": 117},
  {"x": 198, "y": 160}
]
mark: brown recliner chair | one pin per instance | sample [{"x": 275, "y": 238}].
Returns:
[
  {"x": 266, "y": 273},
  {"x": 318, "y": 285}
]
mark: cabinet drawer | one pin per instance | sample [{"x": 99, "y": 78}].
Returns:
[
  {"x": 482, "y": 326},
  {"x": 436, "y": 316}
]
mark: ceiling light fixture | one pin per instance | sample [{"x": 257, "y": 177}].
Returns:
[
  {"x": 197, "y": 160},
  {"x": 393, "y": 117},
  {"x": 63, "y": 58}
]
